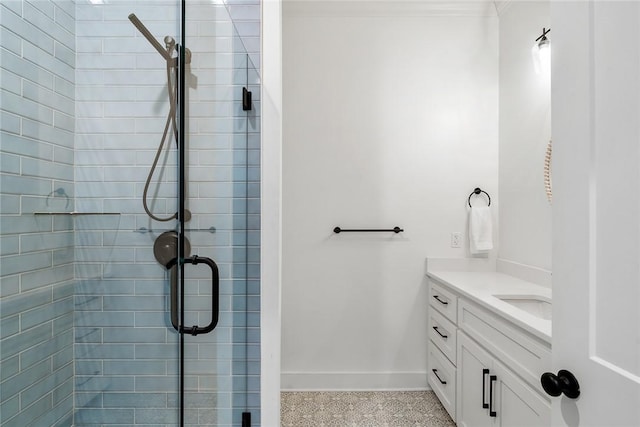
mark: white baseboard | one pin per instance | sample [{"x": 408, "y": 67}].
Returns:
[{"x": 354, "y": 381}]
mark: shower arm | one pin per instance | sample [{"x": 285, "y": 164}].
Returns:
[{"x": 147, "y": 34}]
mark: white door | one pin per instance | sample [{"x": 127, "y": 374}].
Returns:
[{"x": 596, "y": 209}]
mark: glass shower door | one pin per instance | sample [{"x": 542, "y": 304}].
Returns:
[
  {"x": 127, "y": 354},
  {"x": 115, "y": 196},
  {"x": 127, "y": 360},
  {"x": 222, "y": 196},
  {"x": 189, "y": 270}
]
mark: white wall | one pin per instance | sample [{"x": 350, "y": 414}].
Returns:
[
  {"x": 390, "y": 118},
  {"x": 271, "y": 225},
  {"x": 525, "y": 130}
]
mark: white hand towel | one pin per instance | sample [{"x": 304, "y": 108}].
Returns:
[{"x": 480, "y": 230}]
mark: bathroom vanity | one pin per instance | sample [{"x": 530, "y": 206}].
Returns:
[{"x": 489, "y": 342}]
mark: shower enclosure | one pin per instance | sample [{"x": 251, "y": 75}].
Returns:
[{"x": 129, "y": 275}]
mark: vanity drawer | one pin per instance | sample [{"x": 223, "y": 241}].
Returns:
[
  {"x": 443, "y": 300},
  {"x": 442, "y": 378},
  {"x": 518, "y": 350},
  {"x": 442, "y": 334}
]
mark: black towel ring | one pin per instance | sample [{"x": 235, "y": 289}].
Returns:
[
  {"x": 58, "y": 192},
  {"x": 478, "y": 191}
]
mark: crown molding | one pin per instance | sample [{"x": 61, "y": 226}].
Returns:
[{"x": 389, "y": 8}]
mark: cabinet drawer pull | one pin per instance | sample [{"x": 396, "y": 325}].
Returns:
[
  {"x": 435, "y": 328},
  {"x": 492, "y": 379},
  {"x": 485, "y": 372},
  {"x": 437, "y": 297},
  {"x": 435, "y": 372}
]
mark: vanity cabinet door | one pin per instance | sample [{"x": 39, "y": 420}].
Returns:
[
  {"x": 516, "y": 403},
  {"x": 474, "y": 367},
  {"x": 509, "y": 400}
]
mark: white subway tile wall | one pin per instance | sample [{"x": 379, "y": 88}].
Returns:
[{"x": 83, "y": 106}]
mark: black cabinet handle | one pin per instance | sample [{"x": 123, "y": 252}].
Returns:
[
  {"x": 492, "y": 379},
  {"x": 435, "y": 328},
  {"x": 485, "y": 372},
  {"x": 437, "y": 297},
  {"x": 564, "y": 382},
  {"x": 435, "y": 372}
]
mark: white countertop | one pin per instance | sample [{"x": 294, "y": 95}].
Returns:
[{"x": 480, "y": 287}]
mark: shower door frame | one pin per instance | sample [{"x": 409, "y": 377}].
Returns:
[{"x": 181, "y": 199}]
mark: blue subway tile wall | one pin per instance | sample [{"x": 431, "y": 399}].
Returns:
[
  {"x": 83, "y": 104},
  {"x": 37, "y": 121}
]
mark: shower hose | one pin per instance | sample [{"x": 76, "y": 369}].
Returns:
[{"x": 171, "y": 122}]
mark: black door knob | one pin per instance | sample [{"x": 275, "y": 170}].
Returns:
[{"x": 564, "y": 382}]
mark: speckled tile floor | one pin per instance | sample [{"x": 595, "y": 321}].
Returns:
[{"x": 363, "y": 409}]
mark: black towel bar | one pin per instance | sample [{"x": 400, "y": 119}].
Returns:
[
  {"x": 478, "y": 191},
  {"x": 395, "y": 229}
]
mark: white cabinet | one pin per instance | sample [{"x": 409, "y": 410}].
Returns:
[
  {"x": 443, "y": 334},
  {"x": 494, "y": 365},
  {"x": 492, "y": 395},
  {"x": 514, "y": 347},
  {"x": 473, "y": 398},
  {"x": 443, "y": 300},
  {"x": 442, "y": 377}
]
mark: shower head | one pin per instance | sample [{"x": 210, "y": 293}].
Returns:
[{"x": 147, "y": 34}]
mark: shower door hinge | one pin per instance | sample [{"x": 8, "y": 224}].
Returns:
[
  {"x": 246, "y": 419},
  {"x": 246, "y": 99}
]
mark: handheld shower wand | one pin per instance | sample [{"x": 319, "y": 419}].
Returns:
[
  {"x": 168, "y": 40},
  {"x": 171, "y": 61},
  {"x": 147, "y": 34}
]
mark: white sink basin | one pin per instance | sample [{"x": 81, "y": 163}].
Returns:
[{"x": 536, "y": 305}]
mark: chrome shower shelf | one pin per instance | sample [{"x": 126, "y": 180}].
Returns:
[
  {"x": 76, "y": 213},
  {"x": 144, "y": 230}
]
